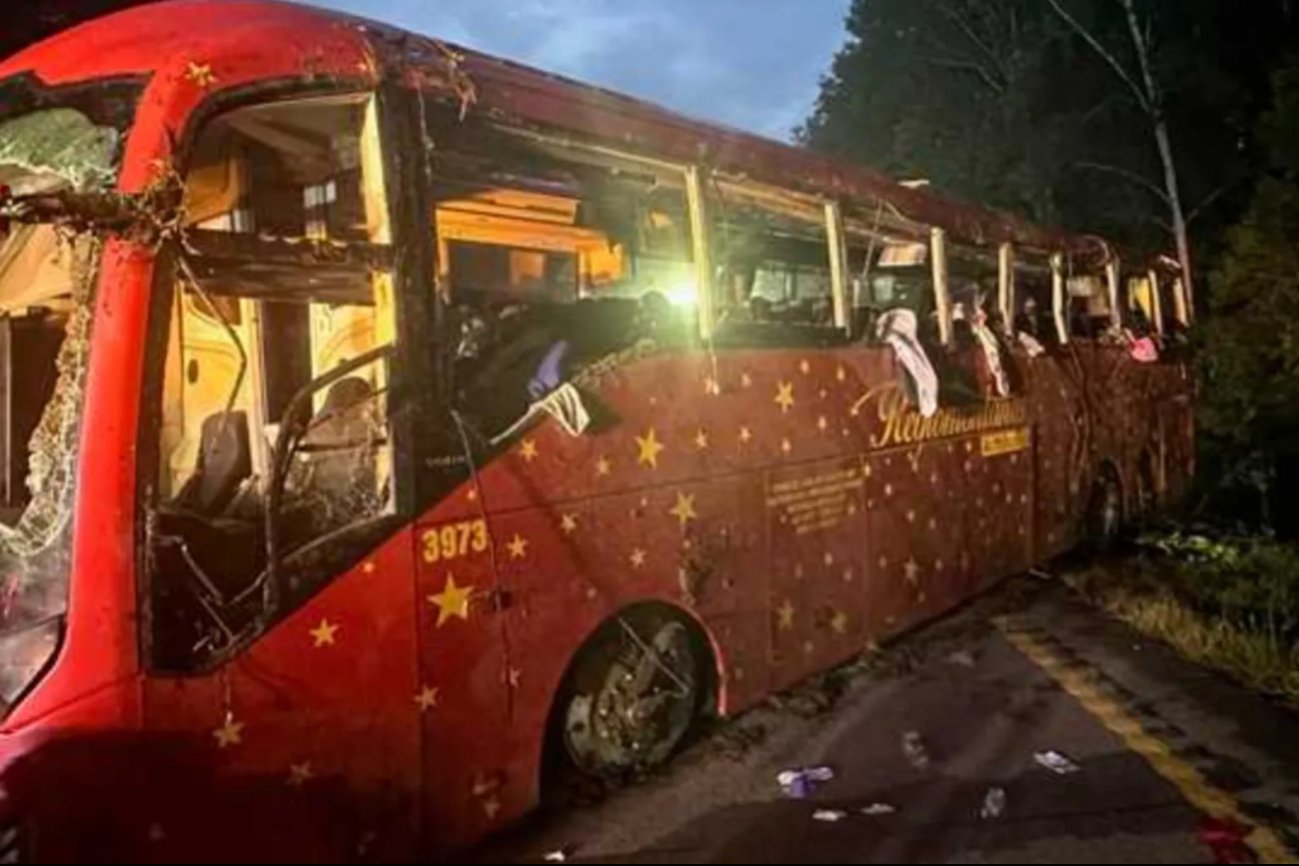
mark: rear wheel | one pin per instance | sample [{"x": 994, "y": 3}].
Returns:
[{"x": 633, "y": 695}]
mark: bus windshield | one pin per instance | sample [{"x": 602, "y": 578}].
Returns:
[{"x": 47, "y": 277}]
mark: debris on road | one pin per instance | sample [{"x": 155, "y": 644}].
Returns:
[
  {"x": 1225, "y": 837},
  {"x": 830, "y": 816},
  {"x": 802, "y": 783},
  {"x": 1040, "y": 574},
  {"x": 874, "y": 810},
  {"x": 994, "y": 804},
  {"x": 557, "y": 856},
  {"x": 1056, "y": 762},
  {"x": 914, "y": 749},
  {"x": 964, "y": 658}
]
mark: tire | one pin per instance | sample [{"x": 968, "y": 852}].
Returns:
[{"x": 621, "y": 711}]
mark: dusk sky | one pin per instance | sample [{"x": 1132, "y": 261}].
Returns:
[{"x": 753, "y": 64}]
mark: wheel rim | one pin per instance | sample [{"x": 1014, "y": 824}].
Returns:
[{"x": 640, "y": 705}]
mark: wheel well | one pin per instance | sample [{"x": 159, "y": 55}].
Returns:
[{"x": 552, "y": 746}]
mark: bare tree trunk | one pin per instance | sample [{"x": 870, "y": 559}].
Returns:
[{"x": 1155, "y": 106}]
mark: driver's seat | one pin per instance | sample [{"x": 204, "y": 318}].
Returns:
[{"x": 224, "y": 462}]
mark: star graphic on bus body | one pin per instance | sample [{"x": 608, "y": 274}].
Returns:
[
  {"x": 684, "y": 510},
  {"x": 324, "y": 634},
  {"x": 805, "y": 366},
  {"x": 200, "y": 74},
  {"x": 745, "y": 435},
  {"x": 231, "y": 733},
  {"x": 602, "y": 466},
  {"x": 785, "y": 396},
  {"x": 528, "y": 450},
  {"x": 648, "y": 448},
  {"x": 517, "y": 546},
  {"x": 568, "y": 523},
  {"x": 452, "y": 601},
  {"x": 701, "y": 439},
  {"x": 300, "y": 774},
  {"x": 637, "y": 558},
  {"x": 912, "y": 572},
  {"x": 840, "y": 622},
  {"x": 426, "y": 699},
  {"x": 785, "y": 615}
]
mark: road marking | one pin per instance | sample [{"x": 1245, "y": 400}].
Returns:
[{"x": 1082, "y": 682}]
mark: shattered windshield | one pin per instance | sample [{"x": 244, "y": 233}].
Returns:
[{"x": 47, "y": 281}]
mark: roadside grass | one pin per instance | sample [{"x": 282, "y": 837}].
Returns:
[{"x": 1227, "y": 601}]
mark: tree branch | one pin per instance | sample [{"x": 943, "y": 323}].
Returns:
[
  {"x": 970, "y": 66},
  {"x": 1210, "y": 199},
  {"x": 1142, "y": 98},
  {"x": 1130, "y": 176},
  {"x": 966, "y": 28}
]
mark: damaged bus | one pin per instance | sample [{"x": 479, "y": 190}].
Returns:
[{"x": 388, "y": 428}]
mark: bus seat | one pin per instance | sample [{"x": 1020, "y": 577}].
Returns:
[{"x": 224, "y": 461}]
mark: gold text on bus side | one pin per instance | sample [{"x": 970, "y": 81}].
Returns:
[
  {"x": 455, "y": 540},
  {"x": 903, "y": 425}
]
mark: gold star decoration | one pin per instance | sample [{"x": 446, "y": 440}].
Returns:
[
  {"x": 828, "y": 559},
  {"x": 684, "y": 510},
  {"x": 746, "y": 380},
  {"x": 785, "y": 396},
  {"x": 200, "y": 74},
  {"x": 472, "y": 494},
  {"x": 804, "y": 366},
  {"x": 840, "y": 374},
  {"x": 840, "y": 622},
  {"x": 637, "y": 558},
  {"x": 912, "y": 572},
  {"x": 300, "y": 774},
  {"x": 452, "y": 601},
  {"x": 427, "y": 698},
  {"x": 368, "y": 568},
  {"x": 648, "y": 448},
  {"x": 602, "y": 466},
  {"x": 711, "y": 386},
  {"x": 786, "y": 446},
  {"x": 701, "y": 439},
  {"x": 528, "y": 450},
  {"x": 822, "y": 423},
  {"x": 231, "y": 733},
  {"x": 745, "y": 434},
  {"x": 517, "y": 546},
  {"x": 324, "y": 634},
  {"x": 785, "y": 615},
  {"x": 491, "y": 806},
  {"x": 568, "y": 523}
]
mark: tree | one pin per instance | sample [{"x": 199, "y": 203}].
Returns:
[
  {"x": 1006, "y": 102},
  {"x": 1250, "y": 340}
]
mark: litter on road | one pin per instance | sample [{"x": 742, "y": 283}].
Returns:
[
  {"x": 830, "y": 816},
  {"x": 1056, "y": 762},
  {"x": 994, "y": 804},
  {"x": 802, "y": 783}
]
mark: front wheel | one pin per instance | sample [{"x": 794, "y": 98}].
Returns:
[{"x": 633, "y": 695}]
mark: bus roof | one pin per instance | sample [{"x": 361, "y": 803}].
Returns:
[{"x": 221, "y": 44}]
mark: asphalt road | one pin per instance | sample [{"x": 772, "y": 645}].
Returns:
[{"x": 1160, "y": 746}]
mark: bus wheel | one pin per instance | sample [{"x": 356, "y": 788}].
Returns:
[
  {"x": 633, "y": 696},
  {"x": 1105, "y": 512}
]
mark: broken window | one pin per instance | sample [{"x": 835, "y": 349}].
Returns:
[
  {"x": 274, "y": 449},
  {"x": 47, "y": 281},
  {"x": 773, "y": 261},
  {"x": 553, "y": 259}
]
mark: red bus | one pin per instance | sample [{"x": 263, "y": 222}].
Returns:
[{"x": 385, "y": 423}]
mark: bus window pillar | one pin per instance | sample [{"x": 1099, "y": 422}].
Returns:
[
  {"x": 695, "y": 201},
  {"x": 1058, "y": 298},
  {"x": 1112, "y": 285},
  {"x": 1006, "y": 287},
  {"x": 1181, "y": 309},
  {"x": 838, "y": 263},
  {"x": 1156, "y": 302},
  {"x": 942, "y": 300}
]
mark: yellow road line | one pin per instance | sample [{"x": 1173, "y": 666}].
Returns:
[{"x": 1081, "y": 681}]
